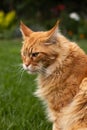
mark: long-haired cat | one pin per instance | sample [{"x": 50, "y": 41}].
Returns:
[{"x": 62, "y": 70}]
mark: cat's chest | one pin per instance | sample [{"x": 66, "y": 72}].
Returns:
[{"x": 56, "y": 92}]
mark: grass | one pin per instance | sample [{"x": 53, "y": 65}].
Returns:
[{"x": 19, "y": 109}]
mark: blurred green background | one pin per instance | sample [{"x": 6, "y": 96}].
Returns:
[{"x": 19, "y": 109}]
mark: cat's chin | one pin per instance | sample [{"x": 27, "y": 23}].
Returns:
[{"x": 32, "y": 72}]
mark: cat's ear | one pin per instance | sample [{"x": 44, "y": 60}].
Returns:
[
  {"x": 25, "y": 30},
  {"x": 52, "y": 34}
]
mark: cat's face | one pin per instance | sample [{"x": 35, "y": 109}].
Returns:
[{"x": 39, "y": 49}]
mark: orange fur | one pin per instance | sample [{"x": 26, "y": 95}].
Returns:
[{"x": 62, "y": 70}]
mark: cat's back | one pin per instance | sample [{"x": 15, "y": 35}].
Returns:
[
  {"x": 76, "y": 63},
  {"x": 79, "y": 60}
]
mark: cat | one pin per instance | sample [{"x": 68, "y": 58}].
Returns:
[{"x": 61, "y": 67}]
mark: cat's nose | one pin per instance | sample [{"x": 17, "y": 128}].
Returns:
[{"x": 26, "y": 64}]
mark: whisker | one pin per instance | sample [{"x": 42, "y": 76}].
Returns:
[
  {"x": 16, "y": 65},
  {"x": 42, "y": 70},
  {"x": 22, "y": 72},
  {"x": 20, "y": 75},
  {"x": 14, "y": 68},
  {"x": 17, "y": 71}
]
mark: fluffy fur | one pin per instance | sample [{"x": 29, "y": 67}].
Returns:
[{"x": 62, "y": 70}]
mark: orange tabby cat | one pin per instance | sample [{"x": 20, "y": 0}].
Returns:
[{"x": 62, "y": 70}]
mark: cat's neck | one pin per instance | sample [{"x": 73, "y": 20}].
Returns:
[
  {"x": 51, "y": 78},
  {"x": 56, "y": 74}
]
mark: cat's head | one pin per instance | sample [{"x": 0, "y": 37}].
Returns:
[{"x": 40, "y": 49}]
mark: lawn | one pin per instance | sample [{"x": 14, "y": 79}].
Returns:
[{"x": 19, "y": 109}]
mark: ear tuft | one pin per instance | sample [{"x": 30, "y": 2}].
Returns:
[
  {"x": 25, "y": 30},
  {"x": 52, "y": 34},
  {"x": 54, "y": 30}
]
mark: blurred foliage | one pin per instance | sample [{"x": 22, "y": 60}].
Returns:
[
  {"x": 6, "y": 20},
  {"x": 42, "y": 15},
  {"x": 73, "y": 28}
]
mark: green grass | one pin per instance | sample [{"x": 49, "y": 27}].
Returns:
[{"x": 19, "y": 109}]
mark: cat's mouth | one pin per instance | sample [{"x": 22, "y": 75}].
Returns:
[{"x": 32, "y": 71}]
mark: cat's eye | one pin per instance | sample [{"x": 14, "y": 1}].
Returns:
[{"x": 35, "y": 54}]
